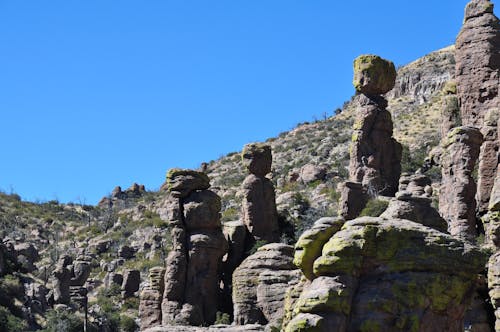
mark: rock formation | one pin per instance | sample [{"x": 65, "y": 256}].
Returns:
[
  {"x": 151, "y": 298},
  {"x": 494, "y": 285},
  {"x": 260, "y": 283},
  {"x": 258, "y": 210},
  {"x": 450, "y": 110},
  {"x": 378, "y": 274},
  {"x": 62, "y": 275},
  {"x": 375, "y": 156},
  {"x": 413, "y": 202},
  {"x": 478, "y": 80},
  {"x": 131, "y": 282},
  {"x": 460, "y": 150},
  {"x": 198, "y": 244}
]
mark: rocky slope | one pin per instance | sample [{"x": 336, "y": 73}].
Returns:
[{"x": 127, "y": 233}]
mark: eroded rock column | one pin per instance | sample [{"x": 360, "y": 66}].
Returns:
[
  {"x": 375, "y": 156},
  {"x": 198, "y": 244},
  {"x": 478, "y": 80},
  {"x": 258, "y": 210},
  {"x": 457, "y": 205}
]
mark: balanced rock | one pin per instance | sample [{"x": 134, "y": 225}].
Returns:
[
  {"x": 61, "y": 280},
  {"x": 258, "y": 210},
  {"x": 373, "y": 75},
  {"x": 257, "y": 158},
  {"x": 180, "y": 182},
  {"x": 260, "y": 284},
  {"x": 457, "y": 205},
  {"x": 378, "y": 274}
]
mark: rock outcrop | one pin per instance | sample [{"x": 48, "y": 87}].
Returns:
[
  {"x": 61, "y": 280},
  {"x": 193, "y": 265},
  {"x": 375, "y": 156},
  {"x": 413, "y": 202},
  {"x": 260, "y": 284},
  {"x": 131, "y": 282},
  {"x": 377, "y": 274},
  {"x": 478, "y": 81},
  {"x": 151, "y": 298},
  {"x": 258, "y": 210},
  {"x": 494, "y": 286},
  {"x": 457, "y": 205}
]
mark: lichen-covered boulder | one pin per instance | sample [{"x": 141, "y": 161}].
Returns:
[
  {"x": 373, "y": 75},
  {"x": 260, "y": 284},
  {"x": 311, "y": 242},
  {"x": 380, "y": 274}
]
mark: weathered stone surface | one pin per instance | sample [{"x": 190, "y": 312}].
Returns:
[
  {"x": 258, "y": 210},
  {"x": 450, "y": 111},
  {"x": 394, "y": 275},
  {"x": 113, "y": 278},
  {"x": 373, "y": 75},
  {"x": 488, "y": 160},
  {"x": 27, "y": 255},
  {"x": 61, "y": 280},
  {"x": 201, "y": 210},
  {"x": 257, "y": 158},
  {"x": 193, "y": 273},
  {"x": 131, "y": 282},
  {"x": 494, "y": 286},
  {"x": 181, "y": 182},
  {"x": 458, "y": 189},
  {"x": 311, "y": 242},
  {"x": 81, "y": 271},
  {"x": 353, "y": 198},
  {"x": 151, "y": 299},
  {"x": 260, "y": 283},
  {"x": 375, "y": 155},
  {"x": 478, "y": 62},
  {"x": 310, "y": 173},
  {"x": 413, "y": 202}
]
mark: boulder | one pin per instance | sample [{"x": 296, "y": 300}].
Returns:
[
  {"x": 310, "y": 173},
  {"x": 260, "y": 284},
  {"x": 126, "y": 252},
  {"x": 377, "y": 274},
  {"x": 180, "y": 183},
  {"x": 373, "y": 75},
  {"x": 257, "y": 158},
  {"x": 131, "y": 282}
]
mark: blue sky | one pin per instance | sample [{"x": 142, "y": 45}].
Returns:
[{"x": 100, "y": 93}]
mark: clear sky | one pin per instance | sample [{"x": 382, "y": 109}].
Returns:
[{"x": 99, "y": 93}]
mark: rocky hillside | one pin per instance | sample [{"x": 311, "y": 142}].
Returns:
[{"x": 124, "y": 235}]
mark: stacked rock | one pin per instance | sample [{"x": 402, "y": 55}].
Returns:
[
  {"x": 198, "y": 244},
  {"x": 151, "y": 298},
  {"x": 259, "y": 212},
  {"x": 375, "y": 159}
]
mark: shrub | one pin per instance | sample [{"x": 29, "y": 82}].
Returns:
[
  {"x": 374, "y": 208},
  {"x": 222, "y": 318},
  {"x": 127, "y": 324},
  {"x": 130, "y": 303},
  {"x": 62, "y": 321},
  {"x": 9, "y": 322}
]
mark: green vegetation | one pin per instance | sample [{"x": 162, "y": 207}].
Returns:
[
  {"x": 374, "y": 208},
  {"x": 9, "y": 322}
]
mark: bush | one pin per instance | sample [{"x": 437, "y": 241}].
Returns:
[
  {"x": 374, "y": 208},
  {"x": 66, "y": 321},
  {"x": 127, "y": 324},
  {"x": 222, "y": 318},
  {"x": 9, "y": 322}
]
